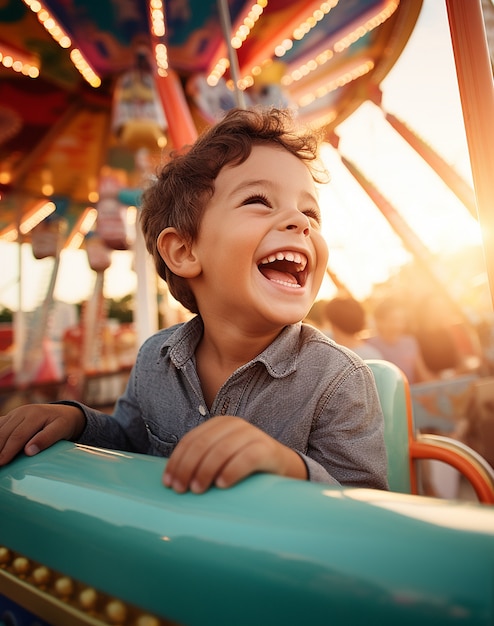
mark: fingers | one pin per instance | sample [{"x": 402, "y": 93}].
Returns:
[
  {"x": 183, "y": 470},
  {"x": 33, "y": 428},
  {"x": 14, "y": 432},
  {"x": 51, "y": 432},
  {"x": 222, "y": 451}
]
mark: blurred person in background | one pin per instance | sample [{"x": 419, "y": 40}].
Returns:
[
  {"x": 395, "y": 342},
  {"x": 347, "y": 320},
  {"x": 448, "y": 344}
]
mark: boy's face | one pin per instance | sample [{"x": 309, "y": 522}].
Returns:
[{"x": 260, "y": 247}]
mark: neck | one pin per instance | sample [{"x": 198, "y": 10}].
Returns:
[
  {"x": 230, "y": 347},
  {"x": 222, "y": 350}
]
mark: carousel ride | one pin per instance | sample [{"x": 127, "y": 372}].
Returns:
[
  {"x": 91, "y": 95},
  {"x": 94, "y": 94}
]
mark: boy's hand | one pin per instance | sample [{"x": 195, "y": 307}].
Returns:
[
  {"x": 34, "y": 427},
  {"x": 223, "y": 451}
]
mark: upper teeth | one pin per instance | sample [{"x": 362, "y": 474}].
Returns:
[{"x": 294, "y": 257}]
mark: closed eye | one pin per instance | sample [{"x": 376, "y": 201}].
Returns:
[
  {"x": 258, "y": 198},
  {"x": 314, "y": 215}
]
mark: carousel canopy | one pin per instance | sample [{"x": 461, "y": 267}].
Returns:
[{"x": 64, "y": 67}]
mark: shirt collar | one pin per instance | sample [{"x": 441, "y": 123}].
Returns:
[{"x": 279, "y": 358}]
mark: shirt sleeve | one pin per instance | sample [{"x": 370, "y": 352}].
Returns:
[
  {"x": 123, "y": 430},
  {"x": 346, "y": 445},
  {"x": 316, "y": 472}
]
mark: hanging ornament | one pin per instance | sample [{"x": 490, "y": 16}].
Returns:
[
  {"x": 112, "y": 214},
  {"x": 98, "y": 253},
  {"x": 138, "y": 118},
  {"x": 267, "y": 89},
  {"x": 212, "y": 102},
  {"x": 47, "y": 237}
]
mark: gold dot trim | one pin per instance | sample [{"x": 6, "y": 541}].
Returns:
[{"x": 65, "y": 590}]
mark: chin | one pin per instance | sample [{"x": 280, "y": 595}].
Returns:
[{"x": 287, "y": 319}]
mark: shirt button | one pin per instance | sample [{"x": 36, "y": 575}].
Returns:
[{"x": 202, "y": 409}]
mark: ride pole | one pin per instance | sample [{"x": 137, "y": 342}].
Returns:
[
  {"x": 474, "y": 73},
  {"x": 226, "y": 26}
]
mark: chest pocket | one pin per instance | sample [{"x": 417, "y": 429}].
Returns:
[{"x": 162, "y": 443}]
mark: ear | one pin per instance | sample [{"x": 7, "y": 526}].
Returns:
[{"x": 177, "y": 253}]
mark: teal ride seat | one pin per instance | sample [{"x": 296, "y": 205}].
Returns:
[
  {"x": 91, "y": 537},
  {"x": 405, "y": 445},
  {"x": 392, "y": 389}
]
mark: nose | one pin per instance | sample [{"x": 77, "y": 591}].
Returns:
[{"x": 297, "y": 221}]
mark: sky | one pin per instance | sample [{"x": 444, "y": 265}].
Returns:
[{"x": 422, "y": 91}]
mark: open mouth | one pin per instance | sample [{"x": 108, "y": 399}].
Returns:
[{"x": 285, "y": 268}]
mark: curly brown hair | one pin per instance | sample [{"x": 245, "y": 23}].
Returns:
[{"x": 184, "y": 186}]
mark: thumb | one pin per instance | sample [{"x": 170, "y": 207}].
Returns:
[
  {"x": 31, "y": 448},
  {"x": 43, "y": 439}
]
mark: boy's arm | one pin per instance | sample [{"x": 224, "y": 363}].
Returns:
[
  {"x": 124, "y": 429},
  {"x": 223, "y": 451},
  {"x": 34, "y": 427},
  {"x": 347, "y": 438}
]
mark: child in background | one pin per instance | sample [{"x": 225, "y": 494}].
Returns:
[
  {"x": 346, "y": 317},
  {"x": 395, "y": 342},
  {"x": 234, "y": 227}
]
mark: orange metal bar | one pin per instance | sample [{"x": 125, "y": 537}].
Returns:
[
  {"x": 411, "y": 435},
  {"x": 481, "y": 482},
  {"x": 474, "y": 72},
  {"x": 411, "y": 241},
  {"x": 455, "y": 182},
  {"x": 409, "y": 238},
  {"x": 454, "y": 453},
  {"x": 181, "y": 127}
]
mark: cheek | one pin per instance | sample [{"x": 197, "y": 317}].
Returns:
[{"x": 322, "y": 251}]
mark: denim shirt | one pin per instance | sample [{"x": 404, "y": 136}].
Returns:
[{"x": 304, "y": 390}]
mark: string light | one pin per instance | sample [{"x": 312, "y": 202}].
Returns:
[
  {"x": 52, "y": 27},
  {"x": 84, "y": 224},
  {"x": 243, "y": 31},
  {"x": 161, "y": 56},
  {"x": 322, "y": 58},
  {"x": 219, "y": 69},
  {"x": 157, "y": 15},
  {"x": 18, "y": 61},
  {"x": 311, "y": 65},
  {"x": 158, "y": 29},
  {"x": 84, "y": 68},
  {"x": 241, "y": 34},
  {"x": 298, "y": 34},
  {"x": 362, "y": 30},
  {"x": 32, "y": 218},
  {"x": 360, "y": 70},
  {"x": 5, "y": 177},
  {"x": 35, "y": 216},
  {"x": 310, "y": 22},
  {"x": 305, "y": 69}
]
